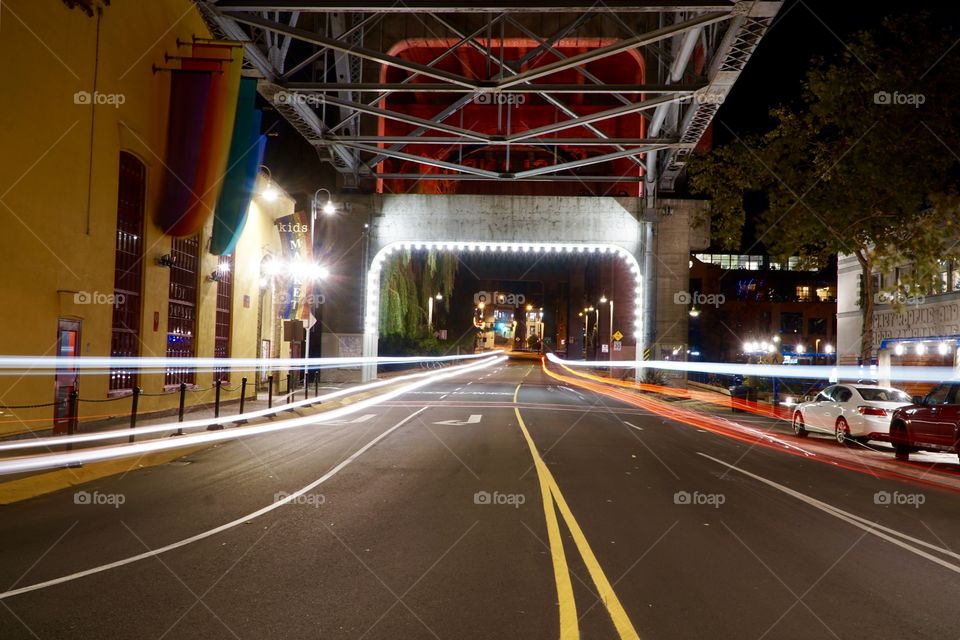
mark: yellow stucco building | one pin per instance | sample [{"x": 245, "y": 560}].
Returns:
[{"x": 84, "y": 128}]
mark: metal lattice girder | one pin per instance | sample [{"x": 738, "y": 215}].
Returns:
[
  {"x": 741, "y": 39},
  {"x": 545, "y": 142},
  {"x": 540, "y": 178},
  {"x": 613, "y": 49},
  {"x": 425, "y": 87},
  {"x": 363, "y": 52},
  {"x": 518, "y": 6},
  {"x": 684, "y": 101}
]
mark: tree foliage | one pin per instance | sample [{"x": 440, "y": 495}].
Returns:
[
  {"x": 406, "y": 283},
  {"x": 864, "y": 164}
]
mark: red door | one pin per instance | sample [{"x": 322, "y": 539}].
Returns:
[{"x": 66, "y": 379}]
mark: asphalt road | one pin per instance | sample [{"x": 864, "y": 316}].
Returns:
[{"x": 617, "y": 523}]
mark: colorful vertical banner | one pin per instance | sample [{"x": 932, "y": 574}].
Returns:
[
  {"x": 295, "y": 248},
  {"x": 246, "y": 155},
  {"x": 189, "y": 95},
  {"x": 208, "y": 157}
]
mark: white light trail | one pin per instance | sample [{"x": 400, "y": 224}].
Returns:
[
  {"x": 102, "y": 364},
  {"x": 825, "y": 372},
  {"x": 57, "y": 460}
]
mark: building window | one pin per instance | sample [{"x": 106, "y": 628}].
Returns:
[
  {"x": 816, "y": 326},
  {"x": 128, "y": 269},
  {"x": 791, "y": 322},
  {"x": 803, "y": 293},
  {"x": 221, "y": 345},
  {"x": 182, "y": 308}
]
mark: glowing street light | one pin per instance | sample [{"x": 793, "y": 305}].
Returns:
[{"x": 269, "y": 193}]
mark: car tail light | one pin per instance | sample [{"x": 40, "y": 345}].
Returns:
[{"x": 871, "y": 411}]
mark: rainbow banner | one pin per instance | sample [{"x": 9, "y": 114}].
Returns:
[
  {"x": 189, "y": 94},
  {"x": 246, "y": 154},
  {"x": 216, "y": 112},
  {"x": 294, "y": 233}
]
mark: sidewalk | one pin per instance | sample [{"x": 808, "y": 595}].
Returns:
[{"x": 191, "y": 412}]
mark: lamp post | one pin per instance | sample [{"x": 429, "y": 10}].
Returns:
[
  {"x": 328, "y": 208},
  {"x": 605, "y": 300},
  {"x": 430, "y": 300}
]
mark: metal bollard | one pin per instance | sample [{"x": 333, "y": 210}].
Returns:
[
  {"x": 316, "y": 384},
  {"x": 270, "y": 391},
  {"x": 243, "y": 394},
  {"x": 288, "y": 388},
  {"x": 134, "y": 403},
  {"x": 183, "y": 399},
  {"x": 73, "y": 404},
  {"x": 216, "y": 405}
]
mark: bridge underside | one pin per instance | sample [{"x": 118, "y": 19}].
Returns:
[{"x": 609, "y": 93}]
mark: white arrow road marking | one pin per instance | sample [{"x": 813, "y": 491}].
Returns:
[
  {"x": 356, "y": 420},
  {"x": 473, "y": 419}
]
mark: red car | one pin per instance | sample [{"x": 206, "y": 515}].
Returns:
[{"x": 933, "y": 424}]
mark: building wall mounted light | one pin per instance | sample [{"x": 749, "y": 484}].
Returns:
[{"x": 269, "y": 193}]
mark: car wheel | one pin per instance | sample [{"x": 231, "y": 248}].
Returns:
[
  {"x": 798, "y": 428},
  {"x": 898, "y": 438},
  {"x": 842, "y": 432}
]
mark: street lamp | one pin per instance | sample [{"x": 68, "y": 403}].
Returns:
[
  {"x": 430, "y": 300},
  {"x": 328, "y": 207},
  {"x": 605, "y": 300},
  {"x": 269, "y": 193}
]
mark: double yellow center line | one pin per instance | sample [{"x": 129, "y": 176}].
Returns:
[{"x": 553, "y": 500}]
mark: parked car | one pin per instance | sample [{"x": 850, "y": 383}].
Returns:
[
  {"x": 857, "y": 412},
  {"x": 932, "y": 424}
]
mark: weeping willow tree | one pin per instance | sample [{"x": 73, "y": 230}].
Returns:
[{"x": 406, "y": 283}]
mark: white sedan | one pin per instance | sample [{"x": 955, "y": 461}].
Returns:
[{"x": 857, "y": 412}]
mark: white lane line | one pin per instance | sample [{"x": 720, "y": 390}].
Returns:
[
  {"x": 211, "y": 532},
  {"x": 632, "y": 425},
  {"x": 574, "y": 392},
  {"x": 444, "y": 396},
  {"x": 869, "y": 526}
]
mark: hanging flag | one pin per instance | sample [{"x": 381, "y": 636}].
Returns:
[
  {"x": 294, "y": 233},
  {"x": 246, "y": 155},
  {"x": 223, "y": 64},
  {"x": 189, "y": 95}
]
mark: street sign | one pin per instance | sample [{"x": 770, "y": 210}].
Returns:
[
  {"x": 618, "y": 346},
  {"x": 617, "y": 335},
  {"x": 605, "y": 348}
]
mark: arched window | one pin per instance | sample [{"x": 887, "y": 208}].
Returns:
[
  {"x": 221, "y": 345},
  {"x": 182, "y": 308},
  {"x": 128, "y": 269}
]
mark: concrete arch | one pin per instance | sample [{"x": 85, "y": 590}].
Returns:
[{"x": 510, "y": 224}]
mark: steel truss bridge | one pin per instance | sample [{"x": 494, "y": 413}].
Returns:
[{"x": 320, "y": 64}]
